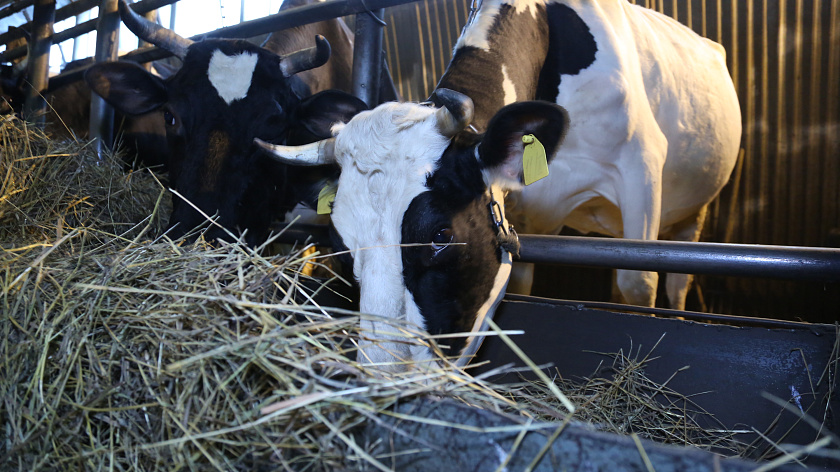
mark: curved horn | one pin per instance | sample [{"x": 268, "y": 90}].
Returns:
[
  {"x": 455, "y": 112},
  {"x": 313, "y": 154},
  {"x": 154, "y": 33},
  {"x": 306, "y": 59}
]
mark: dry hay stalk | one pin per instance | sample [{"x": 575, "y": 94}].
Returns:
[
  {"x": 47, "y": 186},
  {"x": 123, "y": 351}
]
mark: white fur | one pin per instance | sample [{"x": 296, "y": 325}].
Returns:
[
  {"x": 476, "y": 34},
  {"x": 508, "y": 87},
  {"x": 380, "y": 175},
  {"x": 653, "y": 137},
  {"x": 231, "y": 75}
]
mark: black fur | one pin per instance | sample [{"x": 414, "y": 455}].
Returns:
[
  {"x": 244, "y": 188},
  {"x": 571, "y": 49},
  {"x": 518, "y": 42},
  {"x": 449, "y": 285}
]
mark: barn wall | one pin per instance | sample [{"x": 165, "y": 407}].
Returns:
[{"x": 784, "y": 58}]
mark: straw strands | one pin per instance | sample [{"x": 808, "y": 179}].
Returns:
[{"x": 121, "y": 349}]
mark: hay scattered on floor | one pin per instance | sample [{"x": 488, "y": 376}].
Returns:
[
  {"x": 621, "y": 399},
  {"x": 124, "y": 350}
]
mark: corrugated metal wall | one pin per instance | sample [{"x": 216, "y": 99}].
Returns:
[
  {"x": 419, "y": 42},
  {"x": 784, "y": 58}
]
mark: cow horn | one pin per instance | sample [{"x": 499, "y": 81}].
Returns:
[
  {"x": 455, "y": 113},
  {"x": 306, "y": 59},
  {"x": 312, "y": 154},
  {"x": 153, "y": 33}
]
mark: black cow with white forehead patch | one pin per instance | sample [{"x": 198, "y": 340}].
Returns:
[
  {"x": 417, "y": 219},
  {"x": 227, "y": 93}
]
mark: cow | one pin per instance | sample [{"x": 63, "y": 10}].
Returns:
[
  {"x": 653, "y": 134},
  {"x": 226, "y": 93}
]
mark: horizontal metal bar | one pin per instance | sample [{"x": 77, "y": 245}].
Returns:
[
  {"x": 142, "y": 7},
  {"x": 13, "y": 8},
  {"x": 749, "y": 260},
  {"x": 286, "y": 19},
  {"x": 665, "y": 312},
  {"x": 743, "y": 260}
]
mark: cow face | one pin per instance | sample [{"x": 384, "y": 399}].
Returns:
[
  {"x": 227, "y": 93},
  {"x": 413, "y": 208}
]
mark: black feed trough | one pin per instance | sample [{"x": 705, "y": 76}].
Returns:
[{"x": 729, "y": 366}]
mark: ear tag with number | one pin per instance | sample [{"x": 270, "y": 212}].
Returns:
[
  {"x": 534, "y": 161},
  {"x": 325, "y": 198}
]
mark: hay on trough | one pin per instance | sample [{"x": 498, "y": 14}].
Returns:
[{"x": 125, "y": 350}]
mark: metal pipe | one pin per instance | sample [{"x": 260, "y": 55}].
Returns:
[
  {"x": 86, "y": 27},
  {"x": 38, "y": 69},
  {"x": 73, "y": 9},
  {"x": 286, "y": 19},
  {"x": 107, "y": 43},
  {"x": 367, "y": 56},
  {"x": 744, "y": 260},
  {"x": 15, "y": 8},
  {"x": 751, "y": 260}
]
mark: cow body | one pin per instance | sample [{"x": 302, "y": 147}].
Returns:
[
  {"x": 651, "y": 126},
  {"x": 655, "y": 127}
]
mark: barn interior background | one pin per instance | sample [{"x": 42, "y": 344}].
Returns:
[{"x": 784, "y": 58}]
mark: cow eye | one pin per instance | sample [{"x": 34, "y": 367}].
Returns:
[
  {"x": 441, "y": 240},
  {"x": 169, "y": 118}
]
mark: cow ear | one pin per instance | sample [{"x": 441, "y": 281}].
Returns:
[
  {"x": 318, "y": 113},
  {"x": 501, "y": 149},
  {"x": 127, "y": 87}
]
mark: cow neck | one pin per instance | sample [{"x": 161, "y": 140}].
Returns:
[{"x": 508, "y": 245}]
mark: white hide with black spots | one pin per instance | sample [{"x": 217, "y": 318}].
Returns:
[
  {"x": 651, "y": 126},
  {"x": 380, "y": 175},
  {"x": 655, "y": 125}
]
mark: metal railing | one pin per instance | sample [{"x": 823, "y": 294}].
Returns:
[
  {"x": 741, "y": 260},
  {"x": 365, "y": 72}
]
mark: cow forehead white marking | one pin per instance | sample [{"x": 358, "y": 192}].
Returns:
[
  {"x": 231, "y": 75},
  {"x": 385, "y": 155},
  {"x": 476, "y": 33}
]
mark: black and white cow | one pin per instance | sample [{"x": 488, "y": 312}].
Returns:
[
  {"x": 653, "y": 136},
  {"x": 227, "y": 93}
]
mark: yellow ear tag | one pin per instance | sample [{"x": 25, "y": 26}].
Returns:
[
  {"x": 325, "y": 198},
  {"x": 534, "y": 161}
]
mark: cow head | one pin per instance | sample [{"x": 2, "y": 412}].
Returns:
[
  {"x": 227, "y": 93},
  {"x": 414, "y": 206}
]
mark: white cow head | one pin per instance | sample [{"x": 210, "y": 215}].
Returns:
[{"x": 413, "y": 207}]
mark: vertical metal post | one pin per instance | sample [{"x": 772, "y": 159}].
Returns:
[
  {"x": 38, "y": 68},
  {"x": 172, "y": 9},
  {"x": 77, "y": 41},
  {"x": 367, "y": 56},
  {"x": 107, "y": 42}
]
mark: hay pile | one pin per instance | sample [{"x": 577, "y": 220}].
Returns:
[{"x": 124, "y": 350}]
